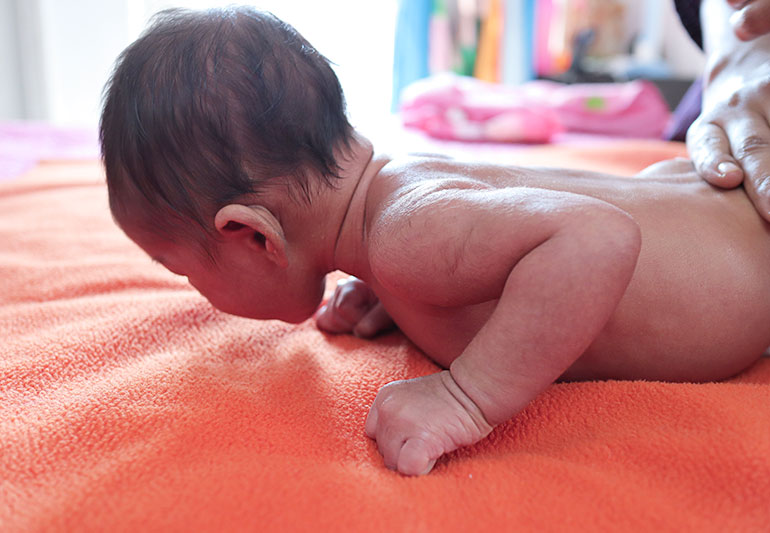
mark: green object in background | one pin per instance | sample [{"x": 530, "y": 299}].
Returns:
[
  {"x": 595, "y": 103},
  {"x": 467, "y": 61}
]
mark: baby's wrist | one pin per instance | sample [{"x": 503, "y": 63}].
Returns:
[
  {"x": 470, "y": 406},
  {"x": 477, "y": 389}
]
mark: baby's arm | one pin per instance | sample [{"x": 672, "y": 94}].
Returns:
[{"x": 559, "y": 264}]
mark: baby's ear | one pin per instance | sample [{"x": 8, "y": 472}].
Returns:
[{"x": 255, "y": 227}]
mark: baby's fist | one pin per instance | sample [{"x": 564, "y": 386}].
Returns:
[
  {"x": 353, "y": 308},
  {"x": 417, "y": 421}
]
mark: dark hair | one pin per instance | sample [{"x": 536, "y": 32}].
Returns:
[{"x": 207, "y": 106}]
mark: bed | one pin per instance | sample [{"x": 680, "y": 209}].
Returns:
[{"x": 127, "y": 403}]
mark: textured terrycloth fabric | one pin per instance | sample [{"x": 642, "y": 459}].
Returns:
[{"x": 128, "y": 404}]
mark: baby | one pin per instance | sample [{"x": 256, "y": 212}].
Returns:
[{"x": 230, "y": 161}]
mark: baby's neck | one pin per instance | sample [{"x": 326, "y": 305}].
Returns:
[
  {"x": 350, "y": 251},
  {"x": 333, "y": 228}
]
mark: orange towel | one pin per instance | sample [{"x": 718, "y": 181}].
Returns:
[{"x": 128, "y": 404}]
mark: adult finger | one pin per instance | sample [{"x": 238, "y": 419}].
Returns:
[
  {"x": 750, "y": 144},
  {"x": 711, "y": 155},
  {"x": 751, "y": 19}
]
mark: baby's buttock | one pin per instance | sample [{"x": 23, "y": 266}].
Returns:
[{"x": 698, "y": 305}]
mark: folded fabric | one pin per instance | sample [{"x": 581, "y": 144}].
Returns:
[
  {"x": 128, "y": 404},
  {"x": 455, "y": 107}
]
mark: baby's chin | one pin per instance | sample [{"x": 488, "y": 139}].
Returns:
[
  {"x": 307, "y": 309},
  {"x": 297, "y": 313},
  {"x": 292, "y": 316},
  {"x": 305, "y": 313}
]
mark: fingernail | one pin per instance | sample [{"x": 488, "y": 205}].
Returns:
[{"x": 727, "y": 167}]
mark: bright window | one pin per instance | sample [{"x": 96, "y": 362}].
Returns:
[{"x": 356, "y": 35}]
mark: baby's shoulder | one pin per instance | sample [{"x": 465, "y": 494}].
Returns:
[
  {"x": 410, "y": 190},
  {"x": 418, "y": 217},
  {"x": 404, "y": 184}
]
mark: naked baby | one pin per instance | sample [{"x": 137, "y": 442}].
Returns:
[{"x": 230, "y": 161}]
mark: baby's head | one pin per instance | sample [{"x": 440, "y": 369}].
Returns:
[{"x": 209, "y": 107}]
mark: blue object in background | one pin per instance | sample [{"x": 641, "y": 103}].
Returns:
[
  {"x": 410, "y": 61},
  {"x": 517, "y": 58}
]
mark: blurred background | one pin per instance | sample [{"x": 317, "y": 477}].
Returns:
[{"x": 56, "y": 55}]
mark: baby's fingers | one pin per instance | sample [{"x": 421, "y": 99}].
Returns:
[
  {"x": 410, "y": 456},
  {"x": 374, "y": 321},
  {"x": 370, "y": 426},
  {"x": 328, "y": 320},
  {"x": 350, "y": 302},
  {"x": 416, "y": 458}
]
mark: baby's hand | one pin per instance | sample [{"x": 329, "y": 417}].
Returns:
[
  {"x": 418, "y": 420},
  {"x": 353, "y": 308}
]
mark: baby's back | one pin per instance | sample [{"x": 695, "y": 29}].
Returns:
[{"x": 697, "y": 307}]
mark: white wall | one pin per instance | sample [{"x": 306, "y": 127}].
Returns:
[
  {"x": 357, "y": 36},
  {"x": 11, "y": 102},
  {"x": 67, "y": 51},
  {"x": 55, "y": 57},
  {"x": 55, "y": 66}
]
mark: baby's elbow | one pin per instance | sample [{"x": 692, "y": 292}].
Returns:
[
  {"x": 622, "y": 235},
  {"x": 609, "y": 236}
]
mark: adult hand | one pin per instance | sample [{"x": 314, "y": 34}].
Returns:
[
  {"x": 751, "y": 18},
  {"x": 730, "y": 142}
]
